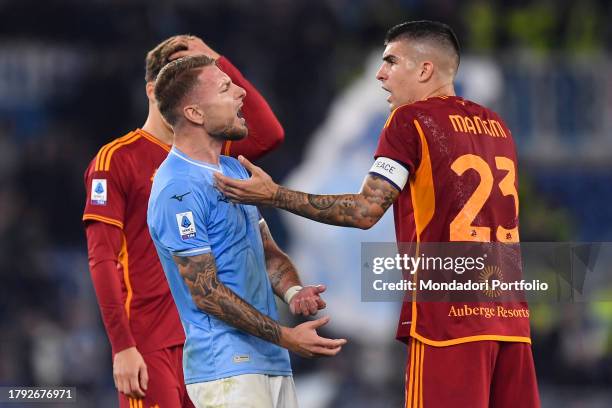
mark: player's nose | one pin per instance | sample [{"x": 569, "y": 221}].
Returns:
[
  {"x": 241, "y": 92},
  {"x": 381, "y": 74}
]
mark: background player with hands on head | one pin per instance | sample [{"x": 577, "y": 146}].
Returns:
[
  {"x": 220, "y": 259},
  {"x": 137, "y": 309},
  {"x": 448, "y": 166}
]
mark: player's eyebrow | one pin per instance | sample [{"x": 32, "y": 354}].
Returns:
[{"x": 389, "y": 58}]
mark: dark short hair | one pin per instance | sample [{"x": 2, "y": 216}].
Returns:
[
  {"x": 434, "y": 31},
  {"x": 175, "y": 81},
  {"x": 159, "y": 56}
]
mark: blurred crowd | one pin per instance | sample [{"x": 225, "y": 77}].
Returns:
[{"x": 71, "y": 79}]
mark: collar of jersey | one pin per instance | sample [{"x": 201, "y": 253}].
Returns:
[{"x": 195, "y": 162}]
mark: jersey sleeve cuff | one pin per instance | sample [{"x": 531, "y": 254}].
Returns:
[
  {"x": 193, "y": 251},
  {"x": 106, "y": 220}
]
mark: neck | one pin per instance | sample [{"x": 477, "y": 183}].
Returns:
[
  {"x": 442, "y": 90},
  {"x": 198, "y": 144},
  {"x": 156, "y": 126}
]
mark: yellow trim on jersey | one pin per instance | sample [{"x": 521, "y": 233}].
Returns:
[
  {"x": 111, "y": 151},
  {"x": 417, "y": 359},
  {"x": 106, "y": 220},
  {"x": 124, "y": 261},
  {"x": 468, "y": 339},
  {"x": 414, "y": 392},
  {"x": 153, "y": 139},
  {"x": 423, "y": 203},
  {"x": 391, "y": 116},
  {"x": 228, "y": 144},
  {"x": 421, "y": 363},
  {"x": 422, "y": 187},
  {"x": 137, "y": 403},
  {"x": 410, "y": 376},
  {"x": 102, "y": 152}
]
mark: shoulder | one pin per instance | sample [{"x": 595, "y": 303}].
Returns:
[
  {"x": 117, "y": 151},
  {"x": 400, "y": 114},
  {"x": 174, "y": 178},
  {"x": 170, "y": 194},
  {"x": 404, "y": 116},
  {"x": 168, "y": 181}
]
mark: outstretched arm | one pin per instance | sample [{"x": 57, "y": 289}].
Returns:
[
  {"x": 361, "y": 210},
  {"x": 211, "y": 296}
]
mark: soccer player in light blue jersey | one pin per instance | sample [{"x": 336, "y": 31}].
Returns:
[{"x": 222, "y": 265}]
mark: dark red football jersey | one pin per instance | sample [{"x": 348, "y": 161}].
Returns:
[
  {"x": 118, "y": 182},
  {"x": 462, "y": 187}
]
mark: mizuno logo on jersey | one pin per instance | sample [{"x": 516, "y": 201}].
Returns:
[
  {"x": 180, "y": 197},
  {"x": 186, "y": 226}
]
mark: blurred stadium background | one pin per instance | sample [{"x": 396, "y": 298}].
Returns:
[{"x": 71, "y": 79}]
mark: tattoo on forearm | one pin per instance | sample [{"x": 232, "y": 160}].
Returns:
[
  {"x": 281, "y": 270},
  {"x": 353, "y": 210},
  {"x": 211, "y": 296},
  {"x": 322, "y": 202}
]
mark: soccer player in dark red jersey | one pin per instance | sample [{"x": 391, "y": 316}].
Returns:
[
  {"x": 449, "y": 167},
  {"x": 137, "y": 308}
]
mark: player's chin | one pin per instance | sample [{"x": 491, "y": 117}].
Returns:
[{"x": 238, "y": 132}]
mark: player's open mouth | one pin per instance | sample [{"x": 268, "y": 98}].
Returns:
[{"x": 240, "y": 115}]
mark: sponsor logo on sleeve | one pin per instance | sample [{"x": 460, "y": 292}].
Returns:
[
  {"x": 98, "y": 192},
  {"x": 186, "y": 225}
]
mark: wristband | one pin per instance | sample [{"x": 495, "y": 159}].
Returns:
[{"x": 291, "y": 292}]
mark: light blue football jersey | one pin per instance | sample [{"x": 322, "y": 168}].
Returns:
[{"x": 187, "y": 216}]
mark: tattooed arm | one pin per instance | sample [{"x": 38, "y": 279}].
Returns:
[
  {"x": 210, "y": 295},
  {"x": 281, "y": 270},
  {"x": 361, "y": 210},
  {"x": 213, "y": 297},
  {"x": 283, "y": 275}
]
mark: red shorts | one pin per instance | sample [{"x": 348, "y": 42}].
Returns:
[
  {"x": 481, "y": 374},
  {"x": 166, "y": 388}
]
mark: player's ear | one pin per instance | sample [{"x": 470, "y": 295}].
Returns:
[
  {"x": 425, "y": 71},
  {"x": 150, "y": 90},
  {"x": 194, "y": 114}
]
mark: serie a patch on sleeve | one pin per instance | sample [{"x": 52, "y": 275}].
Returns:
[
  {"x": 186, "y": 226},
  {"x": 99, "y": 193},
  {"x": 391, "y": 170}
]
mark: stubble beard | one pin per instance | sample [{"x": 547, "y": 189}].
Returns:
[{"x": 233, "y": 133}]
